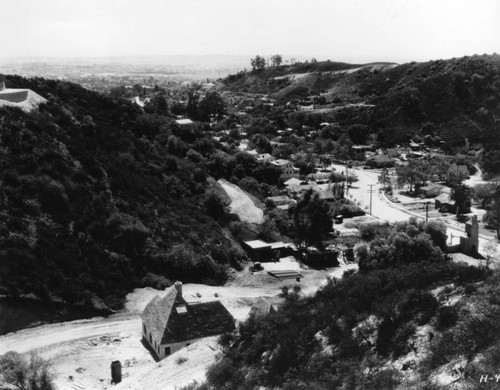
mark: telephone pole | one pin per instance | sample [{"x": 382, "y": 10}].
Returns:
[
  {"x": 371, "y": 192},
  {"x": 427, "y": 211}
]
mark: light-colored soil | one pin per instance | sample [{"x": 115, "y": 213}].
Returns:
[
  {"x": 242, "y": 204},
  {"x": 81, "y": 351}
]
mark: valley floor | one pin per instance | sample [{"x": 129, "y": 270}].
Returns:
[{"x": 81, "y": 351}]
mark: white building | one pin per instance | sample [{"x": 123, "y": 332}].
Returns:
[{"x": 287, "y": 169}]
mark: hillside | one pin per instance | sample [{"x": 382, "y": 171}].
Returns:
[
  {"x": 456, "y": 101},
  {"x": 409, "y": 319},
  {"x": 97, "y": 197}
]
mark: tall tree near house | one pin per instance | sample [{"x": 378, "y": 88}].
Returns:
[
  {"x": 384, "y": 178},
  {"x": 276, "y": 59},
  {"x": 492, "y": 216},
  {"x": 413, "y": 174},
  {"x": 312, "y": 219},
  {"x": 461, "y": 194}
]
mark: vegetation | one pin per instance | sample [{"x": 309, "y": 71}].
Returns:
[
  {"x": 346, "y": 335},
  {"x": 25, "y": 372},
  {"x": 98, "y": 197}
]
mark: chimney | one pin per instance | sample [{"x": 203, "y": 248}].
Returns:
[{"x": 178, "y": 287}]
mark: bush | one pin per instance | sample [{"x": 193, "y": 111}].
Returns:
[
  {"x": 158, "y": 282},
  {"x": 447, "y": 316}
]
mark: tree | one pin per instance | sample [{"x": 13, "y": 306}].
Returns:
[
  {"x": 461, "y": 194},
  {"x": 258, "y": 63},
  {"x": 384, "y": 178},
  {"x": 211, "y": 104},
  {"x": 158, "y": 104},
  {"x": 23, "y": 373},
  {"x": 492, "y": 216},
  {"x": 415, "y": 173},
  {"x": 490, "y": 249},
  {"x": 312, "y": 220},
  {"x": 276, "y": 59}
]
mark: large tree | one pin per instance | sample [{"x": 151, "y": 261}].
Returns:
[
  {"x": 276, "y": 59},
  {"x": 461, "y": 194},
  {"x": 492, "y": 216},
  {"x": 258, "y": 62},
  {"x": 415, "y": 173},
  {"x": 312, "y": 219}
]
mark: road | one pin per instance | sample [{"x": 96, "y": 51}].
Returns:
[{"x": 385, "y": 210}]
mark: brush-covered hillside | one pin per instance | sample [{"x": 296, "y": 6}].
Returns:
[
  {"x": 97, "y": 197},
  {"x": 409, "y": 319},
  {"x": 455, "y": 101}
]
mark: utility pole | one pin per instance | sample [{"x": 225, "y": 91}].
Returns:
[
  {"x": 346, "y": 179},
  {"x": 427, "y": 211},
  {"x": 371, "y": 192}
]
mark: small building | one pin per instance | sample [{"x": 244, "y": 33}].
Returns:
[
  {"x": 282, "y": 202},
  {"x": 444, "y": 204},
  {"x": 287, "y": 169},
  {"x": 325, "y": 258},
  {"x": 331, "y": 195},
  {"x": 359, "y": 151},
  {"x": 258, "y": 250},
  {"x": 459, "y": 171},
  {"x": 431, "y": 190},
  {"x": 185, "y": 123},
  {"x": 170, "y": 323},
  {"x": 381, "y": 161},
  {"x": 264, "y": 157}
]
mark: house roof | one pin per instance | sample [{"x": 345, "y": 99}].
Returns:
[
  {"x": 443, "y": 198},
  {"x": 171, "y": 319},
  {"x": 184, "y": 121},
  {"x": 257, "y": 244},
  {"x": 432, "y": 186},
  {"x": 280, "y": 162},
  {"x": 280, "y": 245},
  {"x": 198, "y": 320},
  {"x": 157, "y": 312},
  {"x": 293, "y": 182}
]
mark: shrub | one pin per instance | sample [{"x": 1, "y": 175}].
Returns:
[
  {"x": 447, "y": 316},
  {"x": 158, "y": 282}
]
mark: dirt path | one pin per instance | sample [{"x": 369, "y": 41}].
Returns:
[
  {"x": 81, "y": 351},
  {"x": 242, "y": 204}
]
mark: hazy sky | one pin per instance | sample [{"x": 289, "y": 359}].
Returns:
[{"x": 343, "y": 30}]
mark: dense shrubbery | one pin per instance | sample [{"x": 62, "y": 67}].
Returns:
[
  {"x": 323, "y": 342},
  {"x": 96, "y": 196},
  {"x": 409, "y": 242}
]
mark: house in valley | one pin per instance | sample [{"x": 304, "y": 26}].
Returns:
[
  {"x": 185, "y": 123},
  {"x": 170, "y": 323},
  {"x": 287, "y": 169}
]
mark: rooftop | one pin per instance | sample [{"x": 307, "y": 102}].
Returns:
[
  {"x": 184, "y": 121},
  {"x": 257, "y": 244},
  {"x": 188, "y": 321}
]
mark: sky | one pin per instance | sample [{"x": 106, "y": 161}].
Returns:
[{"x": 340, "y": 30}]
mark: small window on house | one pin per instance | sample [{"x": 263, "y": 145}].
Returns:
[
  {"x": 167, "y": 350},
  {"x": 144, "y": 329},
  {"x": 150, "y": 338},
  {"x": 188, "y": 344}
]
